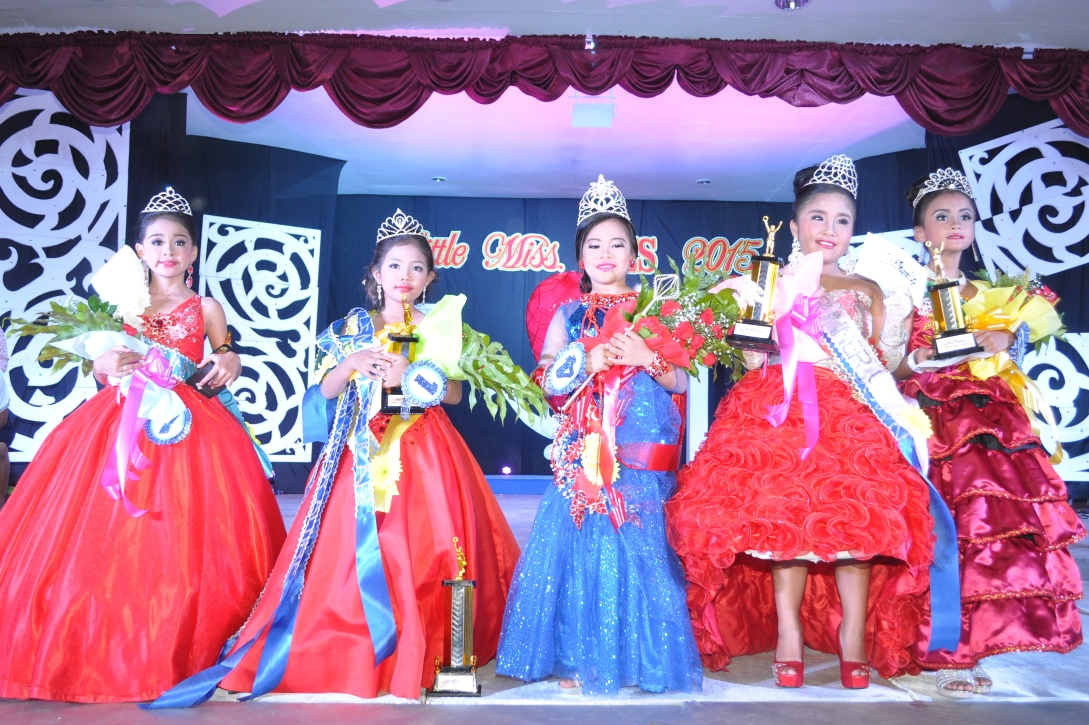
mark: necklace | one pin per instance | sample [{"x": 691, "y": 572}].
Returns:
[{"x": 601, "y": 302}]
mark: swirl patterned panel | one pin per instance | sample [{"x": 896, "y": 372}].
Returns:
[
  {"x": 266, "y": 278},
  {"x": 63, "y": 193},
  {"x": 1030, "y": 187},
  {"x": 1061, "y": 370}
]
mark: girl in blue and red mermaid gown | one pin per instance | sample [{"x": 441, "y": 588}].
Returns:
[
  {"x": 1014, "y": 526},
  {"x": 344, "y": 639},
  {"x": 101, "y": 606},
  {"x": 787, "y": 540}
]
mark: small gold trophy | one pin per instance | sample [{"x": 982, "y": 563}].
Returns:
[
  {"x": 752, "y": 331},
  {"x": 403, "y": 342},
  {"x": 953, "y": 338},
  {"x": 458, "y": 679}
]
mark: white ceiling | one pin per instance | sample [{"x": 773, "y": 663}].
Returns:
[
  {"x": 1035, "y": 23},
  {"x": 657, "y": 148}
]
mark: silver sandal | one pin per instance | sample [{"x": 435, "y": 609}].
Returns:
[
  {"x": 977, "y": 673},
  {"x": 948, "y": 677}
]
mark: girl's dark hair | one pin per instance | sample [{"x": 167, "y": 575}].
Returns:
[
  {"x": 370, "y": 284},
  {"x": 803, "y": 193},
  {"x": 583, "y": 231},
  {"x": 146, "y": 219},
  {"x": 918, "y": 214}
]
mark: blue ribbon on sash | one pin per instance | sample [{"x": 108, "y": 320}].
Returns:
[
  {"x": 370, "y": 572},
  {"x": 945, "y": 614}
]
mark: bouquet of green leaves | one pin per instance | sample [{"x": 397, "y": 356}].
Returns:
[{"x": 66, "y": 322}]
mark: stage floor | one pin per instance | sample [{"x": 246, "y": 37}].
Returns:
[{"x": 1028, "y": 687}]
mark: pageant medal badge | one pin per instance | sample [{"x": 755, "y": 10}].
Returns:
[
  {"x": 423, "y": 386},
  {"x": 752, "y": 331},
  {"x": 458, "y": 678},
  {"x": 952, "y": 338},
  {"x": 568, "y": 371},
  {"x": 402, "y": 341}
]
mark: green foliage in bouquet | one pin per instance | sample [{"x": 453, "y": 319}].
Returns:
[
  {"x": 64, "y": 322},
  {"x": 490, "y": 372}
]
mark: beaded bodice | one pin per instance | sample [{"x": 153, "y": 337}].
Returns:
[
  {"x": 181, "y": 328},
  {"x": 856, "y": 305},
  {"x": 589, "y": 314}
]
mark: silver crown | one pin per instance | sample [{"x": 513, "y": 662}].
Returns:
[
  {"x": 602, "y": 198},
  {"x": 400, "y": 224},
  {"x": 838, "y": 171},
  {"x": 168, "y": 201},
  {"x": 947, "y": 179}
]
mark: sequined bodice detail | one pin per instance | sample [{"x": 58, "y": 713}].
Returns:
[
  {"x": 857, "y": 306},
  {"x": 182, "y": 328},
  {"x": 589, "y": 314}
]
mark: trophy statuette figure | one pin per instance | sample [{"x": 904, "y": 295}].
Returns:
[
  {"x": 952, "y": 338},
  {"x": 458, "y": 679},
  {"x": 401, "y": 340},
  {"x": 753, "y": 329}
]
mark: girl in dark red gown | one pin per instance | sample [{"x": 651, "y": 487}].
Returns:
[
  {"x": 1014, "y": 525},
  {"x": 101, "y": 606},
  {"x": 787, "y": 540}
]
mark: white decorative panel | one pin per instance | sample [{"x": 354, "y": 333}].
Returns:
[
  {"x": 266, "y": 278},
  {"x": 63, "y": 189},
  {"x": 1058, "y": 371},
  {"x": 1030, "y": 188},
  {"x": 903, "y": 238}
]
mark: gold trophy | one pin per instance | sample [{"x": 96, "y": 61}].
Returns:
[
  {"x": 458, "y": 679},
  {"x": 404, "y": 342},
  {"x": 953, "y": 338},
  {"x": 752, "y": 331}
]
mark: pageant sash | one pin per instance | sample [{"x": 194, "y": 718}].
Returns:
[
  {"x": 349, "y": 428},
  {"x": 857, "y": 364}
]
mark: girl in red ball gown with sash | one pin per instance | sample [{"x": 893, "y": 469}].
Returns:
[
  {"x": 1014, "y": 525},
  {"x": 99, "y": 605},
  {"x": 356, "y": 602},
  {"x": 801, "y": 521}
]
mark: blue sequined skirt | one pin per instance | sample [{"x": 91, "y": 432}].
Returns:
[{"x": 604, "y": 607}]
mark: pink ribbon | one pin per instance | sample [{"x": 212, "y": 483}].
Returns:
[
  {"x": 796, "y": 331},
  {"x": 126, "y": 452}
]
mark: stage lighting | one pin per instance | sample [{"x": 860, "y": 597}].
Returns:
[
  {"x": 791, "y": 4},
  {"x": 506, "y": 470},
  {"x": 590, "y": 44}
]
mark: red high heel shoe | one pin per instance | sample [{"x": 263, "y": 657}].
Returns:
[
  {"x": 847, "y": 676},
  {"x": 785, "y": 680}
]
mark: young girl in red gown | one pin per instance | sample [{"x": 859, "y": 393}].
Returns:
[
  {"x": 1014, "y": 525},
  {"x": 374, "y": 617},
  {"x": 101, "y": 606},
  {"x": 786, "y": 540}
]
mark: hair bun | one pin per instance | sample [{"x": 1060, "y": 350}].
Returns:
[
  {"x": 915, "y": 188},
  {"x": 802, "y": 178}
]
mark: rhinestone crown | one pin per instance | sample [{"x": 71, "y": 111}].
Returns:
[
  {"x": 602, "y": 198},
  {"x": 838, "y": 171},
  {"x": 168, "y": 201},
  {"x": 400, "y": 224},
  {"x": 947, "y": 179}
]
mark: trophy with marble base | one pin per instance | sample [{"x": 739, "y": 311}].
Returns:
[
  {"x": 753, "y": 329},
  {"x": 458, "y": 679},
  {"x": 404, "y": 343},
  {"x": 952, "y": 338}
]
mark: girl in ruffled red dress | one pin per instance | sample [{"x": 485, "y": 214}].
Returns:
[
  {"x": 99, "y": 605},
  {"x": 1013, "y": 522},
  {"x": 795, "y": 535}
]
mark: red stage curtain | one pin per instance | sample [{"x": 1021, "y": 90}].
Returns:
[{"x": 108, "y": 78}]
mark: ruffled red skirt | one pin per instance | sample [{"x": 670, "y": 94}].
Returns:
[
  {"x": 1019, "y": 582},
  {"x": 749, "y": 490},
  {"x": 442, "y": 494},
  {"x": 97, "y": 606}
]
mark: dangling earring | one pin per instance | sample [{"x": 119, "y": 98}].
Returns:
[
  {"x": 582, "y": 266},
  {"x": 189, "y": 279},
  {"x": 847, "y": 263},
  {"x": 975, "y": 254},
  {"x": 631, "y": 266},
  {"x": 796, "y": 255},
  {"x": 147, "y": 273},
  {"x": 381, "y": 298},
  {"x": 423, "y": 301}
]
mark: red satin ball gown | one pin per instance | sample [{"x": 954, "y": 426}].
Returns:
[
  {"x": 748, "y": 497},
  {"x": 442, "y": 494},
  {"x": 1019, "y": 582},
  {"x": 98, "y": 606}
]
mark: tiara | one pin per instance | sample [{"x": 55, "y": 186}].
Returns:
[
  {"x": 944, "y": 180},
  {"x": 168, "y": 201},
  {"x": 838, "y": 171},
  {"x": 602, "y": 198},
  {"x": 400, "y": 224}
]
